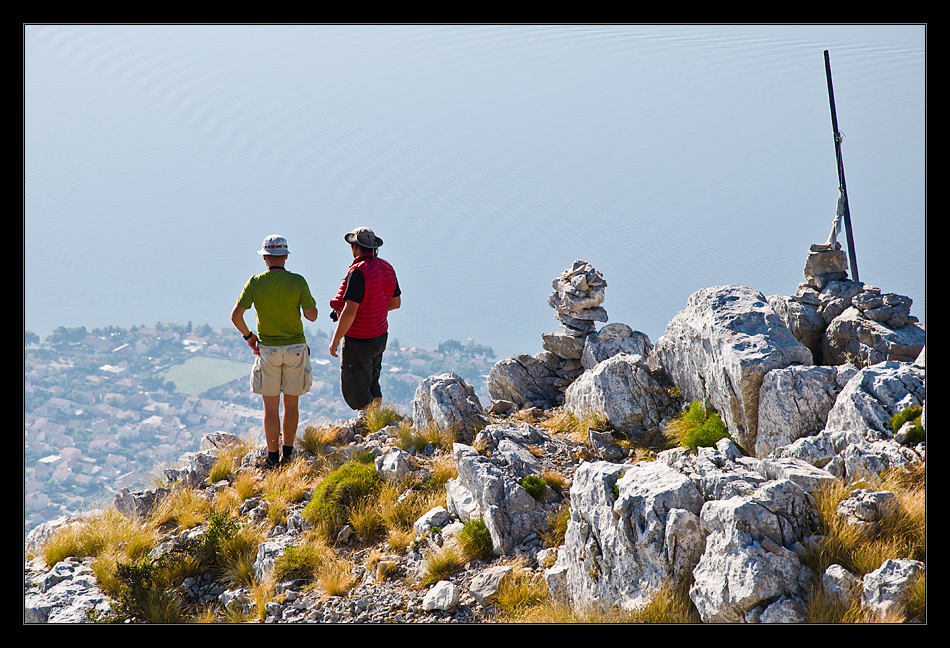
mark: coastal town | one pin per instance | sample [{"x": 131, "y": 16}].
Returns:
[{"x": 106, "y": 409}]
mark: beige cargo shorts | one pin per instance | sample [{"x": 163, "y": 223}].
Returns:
[{"x": 282, "y": 369}]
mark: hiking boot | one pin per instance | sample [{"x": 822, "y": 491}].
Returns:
[{"x": 271, "y": 465}]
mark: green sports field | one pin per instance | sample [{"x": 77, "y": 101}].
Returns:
[{"x": 200, "y": 373}]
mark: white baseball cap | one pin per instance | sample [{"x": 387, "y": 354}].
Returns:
[{"x": 274, "y": 245}]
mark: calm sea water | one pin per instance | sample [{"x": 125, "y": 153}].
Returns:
[{"x": 488, "y": 157}]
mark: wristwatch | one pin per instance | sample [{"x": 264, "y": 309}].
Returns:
[{"x": 248, "y": 335}]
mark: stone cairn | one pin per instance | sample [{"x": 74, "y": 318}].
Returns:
[
  {"x": 576, "y": 299},
  {"x": 828, "y": 263},
  {"x": 539, "y": 381},
  {"x": 841, "y": 320}
]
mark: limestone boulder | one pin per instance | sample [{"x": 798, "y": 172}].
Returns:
[
  {"x": 801, "y": 317},
  {"x": 631, "y": 528},
  {"x": 611, "y": 340},
  {"x": 884, "y": 590},
  {"x": 848, "y": 455},
  {"x": 718, "y": 472},
  {"x": 447, "y": 402},
  {"x": 853, "y": 337},
  {"x": 874, "y": 395},
  {"x": 747, "y": 572},
  {"x": 624, "y": 389},
  {"x": 527, "y": 380},
  {"x": 510, "y": 514},
  {"x": 794, "y": 402},
  {"x": 720, "y": 348}
]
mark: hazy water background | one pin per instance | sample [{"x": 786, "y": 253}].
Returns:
[{"x": 488, "y": 157}]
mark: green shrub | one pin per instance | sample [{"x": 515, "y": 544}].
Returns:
[
  {"x": 338, "y": 493},
  {"x": 143, "y": 596},
  {"x": 298, "y": 562},
  {"x": 475, "y": 539},
  {"x": 221, "y": 528},
  {"x": 908, "y": 414},
  {"x": 535, "y": 486},
  {"x": 699, "y": 426}
]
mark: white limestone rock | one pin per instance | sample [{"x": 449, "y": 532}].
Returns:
[
  {"x": 719, "y": 349},
  {"x": 623, "y": 389},
  {"x": 447, "y": 402}
]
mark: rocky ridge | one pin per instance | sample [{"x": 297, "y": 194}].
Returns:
[{"x": 805, "y": 385}]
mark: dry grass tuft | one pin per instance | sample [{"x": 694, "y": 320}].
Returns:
[
  {"x": 441, "y": 563},
  {"x": 96, "y": 535},
  {"x": 668, "y": 605},
  {"x": 574, "y": 425},
  {"x": 337, "y": 577},
  {"x": 900, "y": 534},
  {"x": 318, "y": 440},
  {"x": 379, "y": 416}
]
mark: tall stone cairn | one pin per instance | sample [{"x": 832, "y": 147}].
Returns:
[
  {"x": 576, "y": 299},
  {"x": 540, "y": 380}
]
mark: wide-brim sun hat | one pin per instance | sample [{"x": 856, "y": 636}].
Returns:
[
  {"x": 274, "y": 245},
  {"x": 364, "y": 237}
]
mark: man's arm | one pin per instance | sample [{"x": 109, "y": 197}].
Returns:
[
  {"x": 343, "y": 324},
  {"x": 395, "y": 302},
  {"x": 311, "y": 314},
  {"x": 237, "y": 318}
]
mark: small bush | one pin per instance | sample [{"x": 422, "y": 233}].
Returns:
[
  {"x": 340, "y": 491},
  {"x": 699, "y": 426},
  {"x": 299, "y": 562},
  {"x": 909, "y": 414},
  {"x": 535, "y": 486},
  {"x": 475, "y": 539},
  {"x": 145, "y": 590},
  {"x": 139, "y": 598}
]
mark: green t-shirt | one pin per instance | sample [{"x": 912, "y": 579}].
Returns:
[{"x": 278, "y": 298}]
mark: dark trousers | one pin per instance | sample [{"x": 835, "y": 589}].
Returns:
[{"x": 360, "y": 368}]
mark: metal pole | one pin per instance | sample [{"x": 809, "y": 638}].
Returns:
[{"x": 841, "y": 182}]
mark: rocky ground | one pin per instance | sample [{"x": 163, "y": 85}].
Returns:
[{"x": 386, "y": 586}]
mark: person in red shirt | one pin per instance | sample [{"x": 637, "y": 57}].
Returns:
[{"x": 360, "y": 308}]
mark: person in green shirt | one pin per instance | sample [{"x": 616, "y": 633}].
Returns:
[{"x": 282, "y": 362}]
